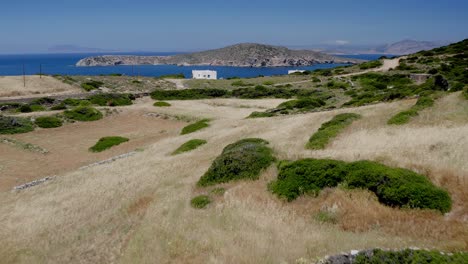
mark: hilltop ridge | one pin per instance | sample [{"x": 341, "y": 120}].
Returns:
[{"x": 240, "y": 55}]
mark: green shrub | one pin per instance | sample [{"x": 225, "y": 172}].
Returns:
[
  {"x": 36, "y": 108},
  {"x": 330, "y": 130},
  {"x": 48, "y": 122},
  {"x": 111, "y": 99},
  {"x": 410, "y": 256},
  {"x": 465, "y": 93},
  {"x": 43, "y": 101},
  {"x": 107, "y": 142},
  {"x": 302, "y": 104},
  {"x": 241, "y": 83},
  {"x": 188, "y": 94},
  {"x": 370, "y": 64},
  {"x": 397, "y": 187},
  {"x": 15, "y": 125},
  {"x": 161, "y": 104},
  {"x": 60, "y": 106},
  {"x": 261, "y": 114},
  {"x": 25, "y": 108},
  {"x": 83, "y": 113},
  {"x": 172, "y": 76},
  {"x": 72, "y": 102},
  {"x": 244, "y": 159},
  {"x": 405, "y": 116},
  {"x": 218, "y": 191},
  {"x": 200, "y": 201},
  {"x": 268, "y": 83},
  {"x": 91, "y": 85},
  {"x": 316, "y": 80},
  {"x": 307, "y": 176},
  {"x": 195, "y": 126},
  {"x": 189, "y": 145},
  {"x": 393, "y": 186}
]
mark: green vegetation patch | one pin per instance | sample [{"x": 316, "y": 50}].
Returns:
[
  {"x": 330, "y": 130},
  {"x": 405, "y": 116},
  {"x": 48, "y": 122},
  {"x": 195, "y": 126},
  {"x": 244, "y": 159},
  {"x": 188, "y": 94},
  {"x": 410, "y": 256},
  {"x": 465, "y": 93},
  {"x": 28, "y": 108},
  {"x": 107, "y": 142},
  {"x": 162, "y": 104},
  {"x": 189, "y": 145},
  {"x": 200, "y": 201},
  {"x": 395, "y": 187},
  {"x": 15, "y": 125},
  {"x": 91, "y": 85},
  {"x": 370, "y": 64},
  {"x": 172, "y": 76},
  {"x": 111, "y": 99},
  {"x": 83, "y": 113}
]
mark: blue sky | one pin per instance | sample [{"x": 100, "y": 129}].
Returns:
[{"x": 178, "y": 25}]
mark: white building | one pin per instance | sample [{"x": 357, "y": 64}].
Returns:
[
  {"x": 294, "y": 71},
  {"x": 205, "y": 74}
]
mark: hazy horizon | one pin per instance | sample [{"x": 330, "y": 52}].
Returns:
[{"x": 183, "y": 26}]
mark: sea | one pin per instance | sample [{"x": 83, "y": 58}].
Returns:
[{"x": 64, "y": 64}]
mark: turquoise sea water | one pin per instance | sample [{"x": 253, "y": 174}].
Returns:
[{"x": 64, "y": 64}]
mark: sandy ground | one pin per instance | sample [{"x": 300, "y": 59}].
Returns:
[
  {"x": 137, "y": 210},
  {"x": 180, "y": 83},
  {"x": 13, "y": 86}
]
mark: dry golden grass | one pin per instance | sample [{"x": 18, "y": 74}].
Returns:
[
  {"x": 137, "y": 210},
  {"x": 13, "y": 86}
]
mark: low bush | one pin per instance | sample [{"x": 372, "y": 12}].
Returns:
[
  {"x": 307, "y": 176},
  {"x": 189, "y": 145},
  {"x": 107, "y": 142},
  {"x": 241, "y": 83},
  {"x": 162, "y": 104},
  {"x": 172, "y": 76},
  {"x": 25, "y": 108},
  {"x": 268, "y": 83},
  {"x": 48, "y": 122},
  {"x": 370, "y": 64},
  {"x": 330, "y": 130},
  {"x": 195, "y": 126},
  {"x": 261, "y": 114},
  {"x": 393, "y": 186},
  {"x": 405, "y": 116},
  {"x": 15, "y": 125},
  {"x": 43, "y": 101},
  {"x": 200, "y": 201},
  {"x": 410, "y": 256},
  {"x": 302, "y": 104},
  {"x": 111, "y": 99},
  {"x": 244, "y": 159},
  {"x": 72, "y": 101},
  {"x": 91, "y": 85},
  {"x": 188, "y": 94},
  {"x": 60, "y": 106},
  {"x": 83, "y": 113}
]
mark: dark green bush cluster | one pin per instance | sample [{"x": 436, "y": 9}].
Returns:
[
  {"x": 405, "y": 116},
  {"x": 256, "y": 92},
  {"x": 111, "y": 99},
  {"x": 195, "y": 126},
  {"x": 189, "y": 145},
  {"x": 393, "y": 186},
  {"x": 200, "y": 201},
  {"x": 188, "y": 94},
  {"x": 161, "y": 104},
  {"x": 172, "y": 76},
  {"x": 91, "y": 85},
  {"x": 378, "y": 87},
  {"x": 370, "y": 64},
  {"x": 107, "y": 142},
  {"x": 411, "y": 256},
  {"x": 48, "y": 122},
  {"x": 288, "y": 107},
  {"x": 15, "y": 125},
  {"x": 330, "y": 130},
  {"x": 83, "y": 113},
  {"x": 337, "y": 85},
  {"x": 244, "y": 159}
]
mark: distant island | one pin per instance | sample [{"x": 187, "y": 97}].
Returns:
[{"x": 239, "y": 55}]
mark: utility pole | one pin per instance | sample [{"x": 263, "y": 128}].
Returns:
[{"x": 24, "y": 77}]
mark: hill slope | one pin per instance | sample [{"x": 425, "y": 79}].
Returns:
[{"x": 240, "y": 55}]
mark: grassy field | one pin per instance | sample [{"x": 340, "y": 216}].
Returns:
[
  {"x": 150, "y": 207},
  {"x": 139, "y": 209}
]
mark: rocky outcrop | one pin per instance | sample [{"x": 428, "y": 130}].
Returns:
[{"x": 240, "y": 55}]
